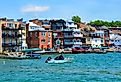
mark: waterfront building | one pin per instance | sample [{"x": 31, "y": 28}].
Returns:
[
  {"x": 86, "y": 30},
  {"x": 38, "y": 37},
  {"x": 97, "y": 39},
  {"x": 100, "y": 38},
  {"x": 12, "y": 35},
  {"x": 115, "y": 39},
  {"x": 115, "y": 36},
  {"x": 46, "y": 24},
  {"x": 68, "y": 32},
  {"x": 58, "y": 37}
]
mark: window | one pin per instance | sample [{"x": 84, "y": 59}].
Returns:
[
  {"x": 43, "y": 41},
  {"x": 78, "y": 40},
  {"x": 10, "y": 24},
  {"x": 88, "y": 39},
  {"x": 74, "y": 40},
  {"x": 101, "y": 40},
  {"x": 15, "y": 25},
  {"x": 30, "y": 34},
  {"x": 43, "y": 33},
  {"x": 48, "y": 39},
  {"x": 49, "y": 34},
  {"x": 36, "y": 34}
]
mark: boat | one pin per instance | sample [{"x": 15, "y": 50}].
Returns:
[
  {"x": 20, "y": 55},
  {"x": 66, "y": 60}
]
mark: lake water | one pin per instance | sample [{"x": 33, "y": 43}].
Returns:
[{"x": 84, "y": 68}]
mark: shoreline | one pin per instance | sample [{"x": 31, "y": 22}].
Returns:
[{"x": 2, "y": 56}]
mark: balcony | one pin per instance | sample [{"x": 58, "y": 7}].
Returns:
[
  {"x": 78, "y": 35},
  {"x": 68, "y": 43},
  {"x": 67, "y": 29},
  {"x": 76, "y": 30},
  {"x": 71, "y": 25},
  {"x": 68, "y": 36},
  {"x": 11, "y": 28},
  {"x": 58, "y": 36},
  {"x": 19, "y": 35},
  {"x": 77, "y": 43},
  {"x": 8, "y": 44},
  {"x": 11, "y": 35},
  {"x": 6, "y": 35}
]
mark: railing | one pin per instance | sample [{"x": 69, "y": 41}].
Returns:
[
  {"x": 77, "y": 30},
  {"x": 80, "y": 43},
  {"x": 78, "y": 35},
  {"x": 11, "y": 35},
  {"x": 67, "y": 29},
  {"x": 58, "y": 36},
  {"x": 71, "y": 25},
  {"x": 8, "y": 44},
  {"x": 68, "y": 43},
  {"x": 68, "y": 36},
  {"x": 9, "y": 28}
]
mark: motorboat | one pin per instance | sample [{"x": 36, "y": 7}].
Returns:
[
  {"x": 66, "y": 60},
  {"x": 20, "y": 55}
]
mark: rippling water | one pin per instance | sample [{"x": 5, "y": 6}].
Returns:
[{"x": 84, "y": 68}]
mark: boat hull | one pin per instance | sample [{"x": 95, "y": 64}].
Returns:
[{"x": 66, "y": 60}]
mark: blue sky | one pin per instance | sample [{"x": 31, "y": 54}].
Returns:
[{"x": 49, "y": 9}]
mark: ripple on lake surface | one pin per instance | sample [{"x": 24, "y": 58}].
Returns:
[{"x": 84, "y": 68}]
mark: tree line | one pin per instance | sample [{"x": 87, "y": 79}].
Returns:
[{"x": 77, "y": 19}]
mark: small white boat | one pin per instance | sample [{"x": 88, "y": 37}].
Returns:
[{"x": 66, "y": 60}]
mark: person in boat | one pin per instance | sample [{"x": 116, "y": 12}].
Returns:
[
  {"x": 59, "y": 57},
  {"x": 48, "y": 59}
]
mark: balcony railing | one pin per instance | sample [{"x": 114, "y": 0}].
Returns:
[
  {"x": 78, "y": 43},
  {"x": 11, "y": 35},
  {"x": 58, "y": 36},
  {"x": 71, "y": 25},
  {"x": 68, "y": 36},
  {"x": 76, "y": 30},
  {"x": 78, "y": 35},
  {"x": 11, "y": 44},
  {"x": 67, "y": 29},
  {"x": 9, "y": 28},
  {"x": 68, "y": 42}
]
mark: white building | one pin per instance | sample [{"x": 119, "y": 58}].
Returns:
[
  {"x": 97, "y": 39},
  {"x": 115, "y": 39},
  {"x": 34, "y": 27}
]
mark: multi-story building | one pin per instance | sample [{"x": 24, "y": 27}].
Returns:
[
  {"x": 115, "y": 40},
  {"x": 68, "y": 35},
  {"x": 97, "y": 39},
  {"x": 58, "y": 37},
  {"x": 12, "y": 35},
  {"x": 73, "y": 37},
  {"x": 38, "y": 37},
  {"x": 100, "y": 38}
]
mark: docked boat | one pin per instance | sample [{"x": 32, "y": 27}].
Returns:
[{"x": 20, "y": 56}]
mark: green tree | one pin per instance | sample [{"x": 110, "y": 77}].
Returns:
[
  {"x": 97, "y": 23},
  {"x": 76, "y": 19}
]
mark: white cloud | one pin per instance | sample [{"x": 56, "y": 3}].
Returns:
[{"x": 31, "y": 8}]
